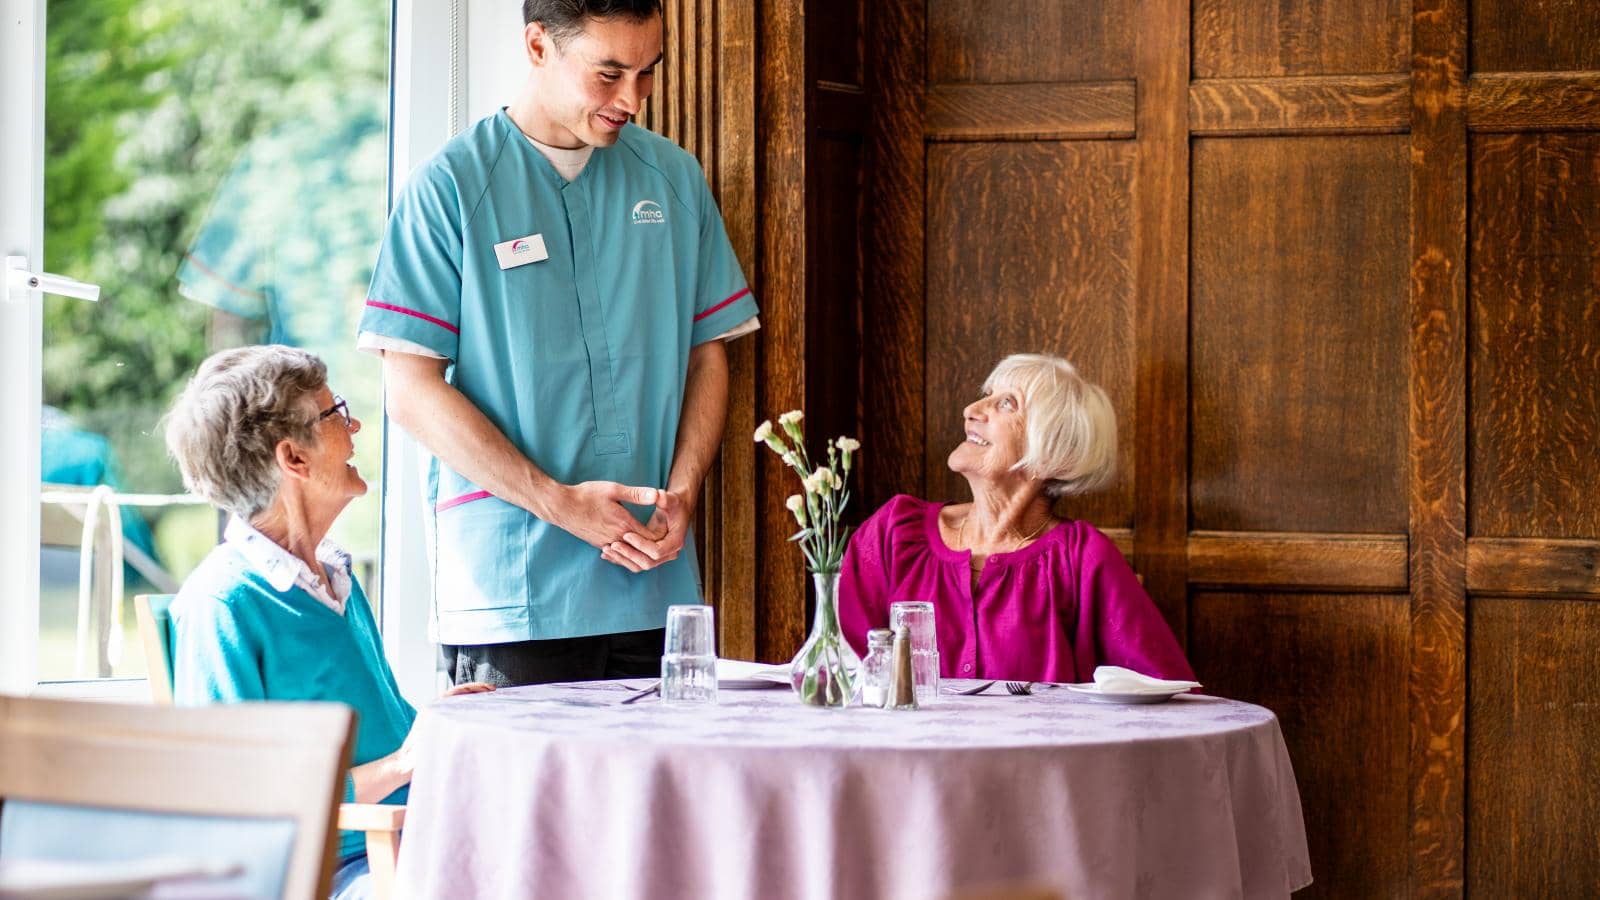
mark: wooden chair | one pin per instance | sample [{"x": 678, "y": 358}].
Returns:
[
  {"x": 101, "y": 785},
  {"x": 380, "y": 822}
]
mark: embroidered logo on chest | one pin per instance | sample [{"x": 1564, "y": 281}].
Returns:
[{"x": 648, "y": 212}]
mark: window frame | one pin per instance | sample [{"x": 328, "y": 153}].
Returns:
[
  {"x": 425, "y": 39},
  {"x": 21, "y": 339}
]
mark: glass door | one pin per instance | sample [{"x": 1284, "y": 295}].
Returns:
[{"x": 219, "y": 170}]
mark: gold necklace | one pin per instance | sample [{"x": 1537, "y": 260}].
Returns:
[{"x": 961, "y": 535}]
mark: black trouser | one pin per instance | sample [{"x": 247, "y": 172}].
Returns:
[{"x": 632, "y": 654}]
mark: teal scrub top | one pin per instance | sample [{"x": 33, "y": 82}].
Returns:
[{"x": 573, "y": 339}]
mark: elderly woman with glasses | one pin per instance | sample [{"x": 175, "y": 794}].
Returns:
[
  {"x": 1018, "y": 594},
  {"x": 275, "y": 611}
]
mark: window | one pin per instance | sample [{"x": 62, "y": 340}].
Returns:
[{"x": 220, "y": 172}]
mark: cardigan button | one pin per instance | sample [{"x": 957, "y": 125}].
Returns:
[{"x": 966, "y": 667}]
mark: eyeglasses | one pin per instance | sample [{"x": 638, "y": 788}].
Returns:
[{"x": 339, "y": 407}]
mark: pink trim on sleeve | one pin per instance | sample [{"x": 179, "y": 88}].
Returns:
[
  {"x": 411, "y": 312},
  {"x": 721, "y": 305},
  {"x": 207, "y": 270}
]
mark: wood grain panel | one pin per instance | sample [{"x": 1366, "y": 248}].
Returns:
[
  {"x": 1438, "y": 424},
  {"x": 1030, "y": 250},
  {"x": 1161, "y": 332},
  {"x": 1563, "y": 101},
  {"x": 1343, "y": 104},
  {"x": 971, "y": 112},
  {"x": 1534, "y": 35},
  {"x": 1535, "y": 364},
  {"x": 1333, "y": 668},
  {"x": 705, "y": 102},
  {"x": 732, "y": 581},
  {"x": 1534, "y": 826},
  {"x": 1346, "y": 562},
  {"x": 833, "y": 295},
  {"x": 834, "y": 44},
  {"x": 1300, "y": 37},
  {"x": 1533, "y": 566},
  {"x": 893, "y": 318},
  {"x": 781, "y": 610},
  {"x": 1123, "y": 538},
  {"x": 1028, "y": 40},
  {"x": 1298, "y": 321}
]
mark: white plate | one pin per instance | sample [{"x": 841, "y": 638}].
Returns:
[
  {"x": 747, "y": 684},
  {"x": 737, "y": 675},
  {"x": 1093, "y": 692}
]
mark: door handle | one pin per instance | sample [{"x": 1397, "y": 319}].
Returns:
[{"x": 19, "y": 279}]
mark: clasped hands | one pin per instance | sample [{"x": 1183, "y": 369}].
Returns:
[{"x": 594, "y": 512}]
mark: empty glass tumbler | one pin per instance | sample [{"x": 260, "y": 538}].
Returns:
[
  {"x": 689, "y": 663},
  {"x": 917, "y": 617}
]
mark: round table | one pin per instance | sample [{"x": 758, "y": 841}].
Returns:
[{"x": 562, "y": 791}]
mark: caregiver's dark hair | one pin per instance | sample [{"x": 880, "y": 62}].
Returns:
[{"x": 564, "y": 18}]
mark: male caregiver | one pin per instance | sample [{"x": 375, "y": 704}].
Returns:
[{"x": 550, "y": 301}]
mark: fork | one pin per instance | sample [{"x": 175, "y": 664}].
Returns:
[
  {"x": 1015, "y": 688},
  {"x": 650, "y": 691}
]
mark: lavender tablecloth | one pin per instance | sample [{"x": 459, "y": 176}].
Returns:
[{"x": 558, "y": 791}]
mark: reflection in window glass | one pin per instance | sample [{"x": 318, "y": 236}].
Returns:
[{"x": 219, "y": 169}]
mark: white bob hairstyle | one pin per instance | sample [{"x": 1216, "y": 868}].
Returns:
[{"x": 1070, "y": 426}]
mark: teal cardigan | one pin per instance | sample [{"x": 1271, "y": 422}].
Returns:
[{"x": 237, "y": 639}]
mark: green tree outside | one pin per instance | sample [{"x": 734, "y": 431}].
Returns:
[{"x": 150, "y": 105}]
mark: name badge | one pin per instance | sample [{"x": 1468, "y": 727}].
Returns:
[{"x": 521, "y": 251}]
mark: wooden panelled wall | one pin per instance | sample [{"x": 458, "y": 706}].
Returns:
[
  {"x": 1338, "y": 265},
  {"x": 704, "y": 99},
  {"x": 768, "y": 95}
]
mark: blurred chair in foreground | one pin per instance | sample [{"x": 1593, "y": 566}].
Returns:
[
  {"x": 98, "y": 791},
  {"x": 380, "y": 822}
]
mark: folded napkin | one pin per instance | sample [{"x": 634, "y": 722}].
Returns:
[{"x": 1117, "y": 680}]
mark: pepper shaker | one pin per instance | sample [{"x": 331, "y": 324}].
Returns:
[{"x": 902, "y": 685}]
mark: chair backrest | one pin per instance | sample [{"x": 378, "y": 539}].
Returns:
[
  {"x": 154, "y": 614},
  {"x": 104, "y": 783}
]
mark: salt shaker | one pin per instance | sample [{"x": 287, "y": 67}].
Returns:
[
  {"x": 902, "y": 685},
  {"x": 875, "y": 669}
]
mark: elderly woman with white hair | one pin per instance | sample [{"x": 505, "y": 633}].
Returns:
[
  {"x": 275, "y": 611},
  {"x": 1018, "y": 594}
]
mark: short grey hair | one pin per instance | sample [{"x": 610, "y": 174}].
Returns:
[
  {"x": 223, "y": 430},
  {"x": 1070, "y": 425}
]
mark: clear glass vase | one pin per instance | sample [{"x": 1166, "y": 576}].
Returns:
[{"x": 825, "y": 670}]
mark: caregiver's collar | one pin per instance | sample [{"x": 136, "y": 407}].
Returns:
[{"x": 568, "y": 162}]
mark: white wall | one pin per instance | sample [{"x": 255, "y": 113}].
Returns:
[{"x": 495, "y": 63}]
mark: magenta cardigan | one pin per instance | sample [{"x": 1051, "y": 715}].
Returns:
[{"x": 1050, "y": 611}]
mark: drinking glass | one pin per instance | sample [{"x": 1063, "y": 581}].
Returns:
[
  {"x": 917, "y": 617},
  {"x": 689, "y": 663}
]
